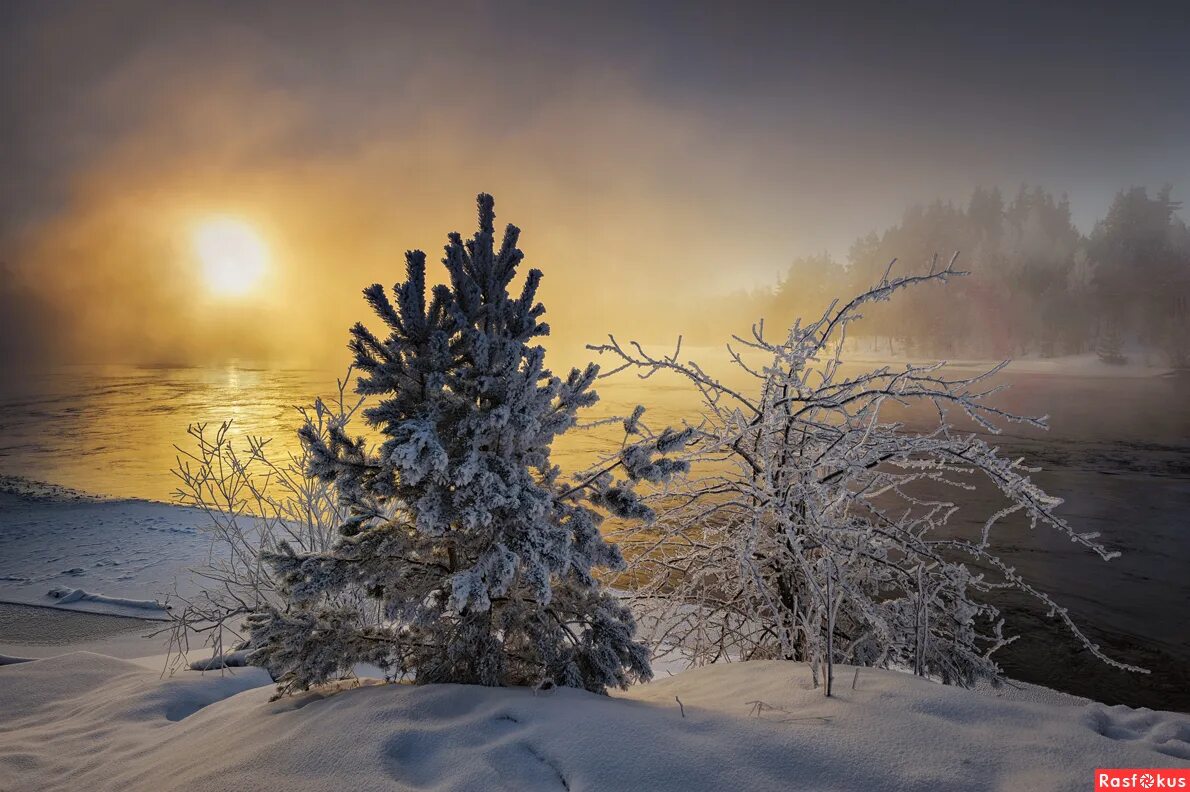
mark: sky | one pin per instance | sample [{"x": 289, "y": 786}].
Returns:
[{"x": 653, "y": 153}]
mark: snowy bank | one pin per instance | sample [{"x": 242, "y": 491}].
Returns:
[
  {"x": 66, "y": 596},
  {"x": 1140, "y": 363},
  {"x": 60, "y": 549},
  {"x": 85, "y": 721}
]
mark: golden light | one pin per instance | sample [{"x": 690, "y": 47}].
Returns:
[{"x": 232, "y": 253}]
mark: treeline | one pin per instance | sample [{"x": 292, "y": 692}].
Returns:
[{"x": 1037, "y": 285}]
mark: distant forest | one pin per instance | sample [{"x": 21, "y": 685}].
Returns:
[{"x": 1038, "y": 286}]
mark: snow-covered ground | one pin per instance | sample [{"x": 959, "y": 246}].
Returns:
[
  {"x": 86, "y": 721},
  {"x": 63, "y": 549}
]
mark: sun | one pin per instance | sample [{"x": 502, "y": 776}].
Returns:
[{"x": 233, "y": 255}]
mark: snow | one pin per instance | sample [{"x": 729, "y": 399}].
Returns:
[
  {"x": 66, "y": 596},
  {"x": 86, "y": 721},
  {"x": 62, "y": 549},
  {"x": 236, "y": 659}
]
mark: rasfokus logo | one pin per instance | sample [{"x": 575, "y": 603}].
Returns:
[{"x": 1142, "y": 778}]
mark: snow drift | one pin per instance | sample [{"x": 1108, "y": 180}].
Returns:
[
  {"x": 119, "y": 558},
  {"x": 65, "y": 595},
  {"x": 86, "y": 721}
]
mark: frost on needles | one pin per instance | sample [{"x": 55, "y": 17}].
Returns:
[{"x": 466, "y": 556}]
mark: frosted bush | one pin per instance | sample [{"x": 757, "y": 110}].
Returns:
[{"x": 817, "y": 528}]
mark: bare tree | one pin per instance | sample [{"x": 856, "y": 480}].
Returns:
[
  {"x": 255, "y": 501},
  {"x": 814, "y": 527}
]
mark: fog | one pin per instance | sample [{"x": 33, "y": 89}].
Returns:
[{"x": 656, "y": 158}]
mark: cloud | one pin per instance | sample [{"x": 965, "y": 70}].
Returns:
[{"x": 652, "y": 157}]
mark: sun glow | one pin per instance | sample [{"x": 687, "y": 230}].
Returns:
[{"x": 232, "y": 253}]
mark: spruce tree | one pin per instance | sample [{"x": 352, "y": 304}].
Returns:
[
  {"x": 467, "y": 556},
  {"x": 1111, "y": 347}
]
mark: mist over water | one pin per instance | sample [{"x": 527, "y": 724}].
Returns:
[{"x": 111, "y": 430}]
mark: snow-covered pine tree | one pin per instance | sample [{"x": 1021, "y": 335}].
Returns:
[{"x": 478, "y": 554}]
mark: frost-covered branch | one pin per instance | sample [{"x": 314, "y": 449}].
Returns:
[
  {"x": 255, "y": 502},
  {"x": 816, "y": 527}
]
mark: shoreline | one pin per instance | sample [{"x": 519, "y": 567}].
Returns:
[
  {"x": 18, "y": 620},
  {"x": 136, "y": 549},
  {"x": 69, "y": 551}
]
